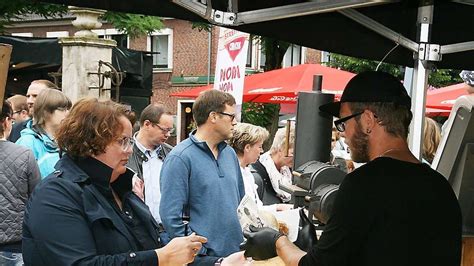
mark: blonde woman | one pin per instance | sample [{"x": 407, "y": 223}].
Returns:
[
  {"x": 431, "y": 139},
  {"x": 247, "y": 142},
  {"x": 274, "y": 167}
]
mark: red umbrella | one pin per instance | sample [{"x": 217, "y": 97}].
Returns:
[
  {"x": 444, "y": 98},
  {"x": 282, "y": 85}
]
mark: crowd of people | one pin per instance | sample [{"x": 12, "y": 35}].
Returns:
[{"x": 83, "y": 189}]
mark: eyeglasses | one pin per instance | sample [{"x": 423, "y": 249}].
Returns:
[
  {"x": 17, "y": 112},
  {"x": 165, "y": 130},
  {"x": 232, "y": 116},
  {"x": 341, "y": 123},
  {"x": 126, "y": 143}
]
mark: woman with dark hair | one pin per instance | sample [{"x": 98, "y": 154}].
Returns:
[
  {"x": 85, "y": 213},
  {"x": 51, "y": 107}
]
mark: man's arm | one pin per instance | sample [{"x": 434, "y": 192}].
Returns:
[
  {"x": 288, "y": 252},
  {"x": 174, "y": 187}
]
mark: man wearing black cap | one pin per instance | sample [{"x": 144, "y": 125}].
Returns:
[{"x": 393, "y": 210}]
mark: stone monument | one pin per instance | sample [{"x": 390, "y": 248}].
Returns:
[{"x": 81, "y": 55}]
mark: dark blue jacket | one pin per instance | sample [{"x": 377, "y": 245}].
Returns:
[{"x": 69, "y": 221}]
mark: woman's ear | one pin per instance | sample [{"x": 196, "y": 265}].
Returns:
[{"x": 247, "y": 147}]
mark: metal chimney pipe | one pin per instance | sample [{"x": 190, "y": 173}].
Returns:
[{"x": 313, "y": 128}]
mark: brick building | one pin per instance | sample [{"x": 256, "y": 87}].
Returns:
[{"x": 184, "y": 60}]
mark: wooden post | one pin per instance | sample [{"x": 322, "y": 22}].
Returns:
[{"x": 5, "y": 52}]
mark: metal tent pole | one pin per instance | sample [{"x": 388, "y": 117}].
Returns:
[{"x": 426, "y": 53}]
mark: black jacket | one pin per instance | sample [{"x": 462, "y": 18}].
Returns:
[
  {"x": 69, "y": 221},
  {"x": 16, "y": 130},
  {"x": 138, "y": 157},
  {"x": 265, "y": 190}
]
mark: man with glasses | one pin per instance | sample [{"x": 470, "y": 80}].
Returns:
[
  {"x": 386, "y": 212},
  {"x": 149, "y": 151},
  {"x": 201, "y": 182},
  {"x": 20, "y": 108}
]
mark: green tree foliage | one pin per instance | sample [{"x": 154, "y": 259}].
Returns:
[
  {"x": 444, "y": 77},
  {"x": 131, "y": 24},
  {"x": 262, "y": 114},
  {"x": 356, "y": 65},
  {"x": 14, "y": 10},
  {"x": 267, "y": 115},
  {"x": 437, "y": 78}
]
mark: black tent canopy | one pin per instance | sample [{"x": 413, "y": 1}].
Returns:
[
  {"x": 325, "y": 25},
  {"x": 422, "y": 34}
]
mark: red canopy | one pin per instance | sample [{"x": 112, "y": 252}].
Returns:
[
  {"x": 283, "y": 85},
  {"x": 444, "y": 98}
]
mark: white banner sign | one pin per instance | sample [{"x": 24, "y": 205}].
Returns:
[{"x": 230, "y": 66}]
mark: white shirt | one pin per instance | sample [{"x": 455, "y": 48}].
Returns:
[
  {"x": 151, "y": 178},
  {"x": 277, "y": 177},
  {"x": 250, "y": 186},
  {"x": 251, "y": 189}
]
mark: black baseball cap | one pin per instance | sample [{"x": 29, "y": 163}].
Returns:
[{"x": 371, "y": 86}]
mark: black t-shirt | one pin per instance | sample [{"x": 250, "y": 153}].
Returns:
[{"x": 391, "y": 212}]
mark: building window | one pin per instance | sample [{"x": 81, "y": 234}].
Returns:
[
  {"x": 160, "y": 43},
  {"x": 159, "y": 46},
  {"x": 293, "y": 56},
  {"x": 113, "y": 34},
  {"x": 250, "y": 54},
  {"x": 57, "y": 34},
  {"x": 325, "y": 57},
  {"x": 22, "y": 34},
  {"x": 262, "y": 58},
  {"x": 121, "y": 39}
]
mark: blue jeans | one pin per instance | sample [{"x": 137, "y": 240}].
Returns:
[{"x": 10, "y": 258}]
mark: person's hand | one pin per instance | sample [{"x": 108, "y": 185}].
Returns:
[
  {"x": 138, "y": 187},
  {"x": 237, "y": 258},
  {"x": 260, "y": 243},
  {"x": 180, "y": 250}
]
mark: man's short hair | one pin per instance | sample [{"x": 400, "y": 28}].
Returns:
[
  {"x": 153, "y": 113},
  {"x": 279, "y": 141},
  {"x": 395, "y": 118},
  {"x": 6, "y": 112},
  {"x": 19, "y": 102},
  {"x": 244, "y": 134},
  {"x": 209, "y": 101},
  {"x": 90, "y": 127},
  {"x": 48, "y": 84},
  {"x": 47, "y": 102}
]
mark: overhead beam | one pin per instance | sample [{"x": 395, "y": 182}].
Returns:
[
  {"x": 302, "y": 9},
  {"x": 457, "y": 47},
  {"x": 380, "y": 29},
  {"x": 466, "y": 2},
  {"x": 235, "y": 18}
]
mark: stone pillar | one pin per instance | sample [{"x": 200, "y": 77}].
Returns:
[{"x": 81, "y": 55}]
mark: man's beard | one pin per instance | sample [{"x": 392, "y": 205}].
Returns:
[{"x": 360, "y": 146}]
